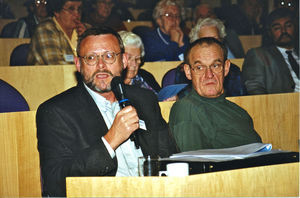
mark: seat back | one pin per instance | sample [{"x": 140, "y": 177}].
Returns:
[{"x": 19, "y": 54}]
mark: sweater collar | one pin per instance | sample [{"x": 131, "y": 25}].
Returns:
[{"x": 195, "y": 95}]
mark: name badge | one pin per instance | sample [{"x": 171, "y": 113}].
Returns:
[
  {"x": 69, "y": 57},
  {"x": 142, "y": 125}
]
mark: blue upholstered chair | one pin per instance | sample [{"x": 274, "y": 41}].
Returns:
[{"x": 10, "y": 99}]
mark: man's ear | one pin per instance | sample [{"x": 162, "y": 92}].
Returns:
[
  {"x": 226, "y": 67},
  {"x": 187, "y": 71},
  {"x": 77, "y": 63},
  {"x": 125, "y": 60}
]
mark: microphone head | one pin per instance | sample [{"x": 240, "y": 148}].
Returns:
[{"x": 117, "y": 86}]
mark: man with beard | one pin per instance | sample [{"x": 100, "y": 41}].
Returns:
[
  {"x": 83, "y": 131},
  {"x": 274, "y": 67}
]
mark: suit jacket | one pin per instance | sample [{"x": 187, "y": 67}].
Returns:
[
  {"x": 69, "y": 131},
  {"x": 265, "y": 72}
]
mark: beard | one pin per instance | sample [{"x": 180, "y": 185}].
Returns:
[
  {"x": 90, "y": 81},
  {"x": 281, "y": 43}
]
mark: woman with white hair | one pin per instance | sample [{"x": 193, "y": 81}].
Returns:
[
  {"x": 210, "y": 27},
  {"x": 133, "y": 75},
  {"x": 167, "y": 42}
]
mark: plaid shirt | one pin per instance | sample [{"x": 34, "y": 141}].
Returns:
[{"x": 50, "y": 46}]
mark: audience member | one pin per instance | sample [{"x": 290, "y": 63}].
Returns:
[
  {"x": 204, "y": 119},
  {"x": 25, "y": 27},
  {"x": 54, "y": 41},
  {"x": 244, "y": 18},
  {"x": 133, "y": 74},
  {"x": 166, "y": 42},
  {"x": 209, "y": 27},
  {"x": 274, "y": 67},
  {"x": 10, "y": 99},
  {"x": 204, "y": 10},
  {"x": 83, "y": 131},
  {"x": 99, "y": 13}
]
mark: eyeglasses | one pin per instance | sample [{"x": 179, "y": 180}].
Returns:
[
  {"x": 39, "y": 2},
  {"x": 171, "y": 16},
  {"x": 93, "y": 59},
  {"x": 72, "y": 10},
  {"x": 215, "y": 68},
  {"x": 136, "y": 59}
]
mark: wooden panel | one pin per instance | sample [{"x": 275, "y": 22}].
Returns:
[
  {"x": 19, "y": 170},
  {"x": 238, "y": 62},
  {"x": 39, "y": 83},
  {"x": 159, "y": 69},
  {"x": 250, "y": 41},
  {"x": 275, "y": 117},
  {"x": 267, "y": 181},
  {"x": 6, "y": 47},
  {"x": 132, "y": 24},
  {"x": 136, "y": 12}
]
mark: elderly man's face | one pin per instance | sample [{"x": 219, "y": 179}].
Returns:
[
  {"x": 169, "y": 19},
  {"x": 99, "y": 75},
  {"x": 207, "y": 83},
  {"x": 134, "y": 59},
  {"x": 283, "y": 32}
]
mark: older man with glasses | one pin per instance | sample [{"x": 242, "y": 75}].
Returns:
[
  {"x": 167, "y": 42},
  {"x": 54, "y": 41},
  {"x": 204, "y": 119},
  {"x": 84, "y": 132}
]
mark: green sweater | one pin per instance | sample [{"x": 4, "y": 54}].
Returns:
[{"x": 210, "y": 123}]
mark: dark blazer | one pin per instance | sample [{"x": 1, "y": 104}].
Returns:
[
  {"x": 265, "y": 72},
  {"x": 69, "y": 131}
]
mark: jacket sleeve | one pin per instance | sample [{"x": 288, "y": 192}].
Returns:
[
  {"x": 65, "y": 152},
  {"x": 253, "y": 73}
]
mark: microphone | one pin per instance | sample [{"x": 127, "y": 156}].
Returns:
[{"x": 117, "y": 87}]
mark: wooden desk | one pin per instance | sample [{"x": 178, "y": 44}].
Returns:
[
  {"x": 266, "y": 181},
  {"x": 6, "y": 47}
]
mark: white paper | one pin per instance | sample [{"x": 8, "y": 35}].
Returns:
[{"x": 240, "y": 152}]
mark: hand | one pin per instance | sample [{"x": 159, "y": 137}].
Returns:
[
  {"x": 80, "y": 27},
  {"x": 125, "y": 123},
  {"x": 131, "y": 73},
  {"x": 176, "y": 35}
]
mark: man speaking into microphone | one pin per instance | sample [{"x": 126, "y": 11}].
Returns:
[{"x": 84, "y": 132}]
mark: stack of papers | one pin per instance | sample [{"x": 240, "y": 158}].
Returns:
[{"x": 217, "y": 155}]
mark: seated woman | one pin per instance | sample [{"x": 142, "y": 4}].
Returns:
[
  {"x": 54, "y": 41},
  {"x": 10, "y": 99},
  {"x": 134, "y": 75}
]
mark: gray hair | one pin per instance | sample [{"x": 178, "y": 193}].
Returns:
[
  {"x": 161, "y": 5},
  {"x": 129, "y": 38},
  {"x": 207, "y": 22}
]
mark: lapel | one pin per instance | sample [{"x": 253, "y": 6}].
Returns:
[
  {"x": 89, "y": 111},
  {"x": 279, "y": 62}
]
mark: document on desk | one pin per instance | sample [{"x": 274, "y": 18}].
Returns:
[{"x": 218, "y": 155}]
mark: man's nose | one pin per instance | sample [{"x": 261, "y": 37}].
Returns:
[
  {"x": 101, "y": 64},
  {"x": 208, "y": 72}
]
